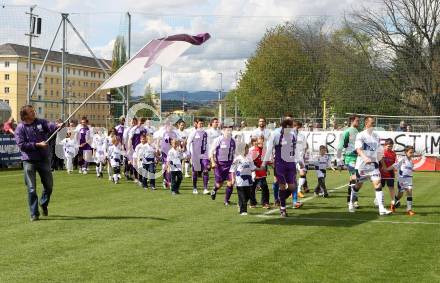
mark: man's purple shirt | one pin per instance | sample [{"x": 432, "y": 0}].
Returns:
[{"x": 27, "y": 135}]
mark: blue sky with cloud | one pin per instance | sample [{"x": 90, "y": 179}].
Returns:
[{"x": 235, "y": 25}]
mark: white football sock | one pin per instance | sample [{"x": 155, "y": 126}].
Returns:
[
  {"x": 379, "y": 197},
  {"x": 301, "y": 183}
]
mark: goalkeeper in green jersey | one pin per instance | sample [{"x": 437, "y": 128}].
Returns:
[{"x": 347, "y": 149}]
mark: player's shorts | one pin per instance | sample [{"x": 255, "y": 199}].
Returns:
[
  {"x": 221, "y": 172},
  {"x": 350, "y": 163},
  {"x": 163, "y": 157},
  {"x": 321, "y": 173},
  {"x": 370, "y": 172},
  {"x": 404, "y": 183},
  {"x": 301, "y": 170},
  {"x": 116, "y": 169},
  {"x": 286, "y": 172},
  {"x": 148, "y": 170},
  {"x": 129, "y": 156},
  {"x": 99, "y": 156},
  {"x": 86, "y": 154},
  {"x": 389, "y": 182},
  {"x": 202, "y": 166}
]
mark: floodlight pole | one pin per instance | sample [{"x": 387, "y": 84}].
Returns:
[
  {"x": 127, "y": 88},
  {"x": 220, "y": 112},
  {"x": 63, "y": 68},
  {"x": 160, "y": 94},
  {"x": 235, "y": 100},
  {"x": 45, "y": 60},
  {"x": 100, "y": 64},
  {"x": 31, "y": 34}
]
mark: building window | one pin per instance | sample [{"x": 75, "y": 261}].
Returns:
[
  {"x": 51, "y": 81},
  {"x": 39, "y": 97},
  {"x": 51, "y": 93},
  {"x": 6, "y": 77},
  {"x": 45, "y": 80},
  {"x": 45, "y": 92},
  {"x": 58, "y": 69},
  {"x": 33, "y": 66},
  {"x": 6, "y": 89},
  {"x": 7, "y": 101},
  {"x": 51, "y": 68},
  {"x": 45, "y": 68},
  {"x": 68, "y": 71},
  {"x": 58, "y": 81},
  {"x": 40, "y": 86},
  {"x": 58, "y": 93},
  {"x": 6, "y": 64},
  {"x": 74, "y": 71}
]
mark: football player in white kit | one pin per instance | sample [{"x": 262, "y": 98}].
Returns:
[
  {"x": 182, "y": 134},
  {"x": 405, "y": 168},
  {"x": 370, "y": 152},
  {"x": 213, "y": 131},
  {"x": 261, "y": 130},
  {"x": 70, "y": 149},
  {"x": 99, "y": 145}
]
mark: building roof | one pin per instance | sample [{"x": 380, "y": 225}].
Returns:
[{"x": 54, "y": 56}]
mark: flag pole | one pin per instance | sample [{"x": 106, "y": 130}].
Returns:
[
  {"x": 91, "y": 95},
  {"x": 72, "y": 114}
]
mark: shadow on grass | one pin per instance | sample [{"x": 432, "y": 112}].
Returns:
[
  {"x": 329, "y": 219},
  {"x": 72, "y": 217}
]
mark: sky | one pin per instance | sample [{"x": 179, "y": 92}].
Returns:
[{"x": 236, "y": 26}]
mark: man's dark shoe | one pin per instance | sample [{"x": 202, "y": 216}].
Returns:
[
  {"x": 34, "y": 218},
  {"x": 45, "y": 211}
]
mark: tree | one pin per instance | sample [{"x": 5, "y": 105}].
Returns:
[
  {"x": 315, "y": 43},
  {"x": 147, "y": 99},
  {"x": 353, "y": 84},
  {"x": 205, "y": 113},
  {"x": 408, "y": 32},
  {"x": 277, "y": 78},
  {"x": 119, "y": 57}
]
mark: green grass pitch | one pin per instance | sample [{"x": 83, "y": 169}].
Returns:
[{"x": 100, "y": 232}]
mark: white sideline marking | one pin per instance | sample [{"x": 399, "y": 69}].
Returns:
[
  {"x": 347, "y": 219},
  {"x": 304, "y": 200}
]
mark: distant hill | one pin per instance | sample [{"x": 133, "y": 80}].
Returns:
[{"x": 197, "y": 96}]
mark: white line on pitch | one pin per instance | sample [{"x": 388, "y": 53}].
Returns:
[
  {"x": 305, "y": 199},
  {"x": 348, "y": 219}
]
